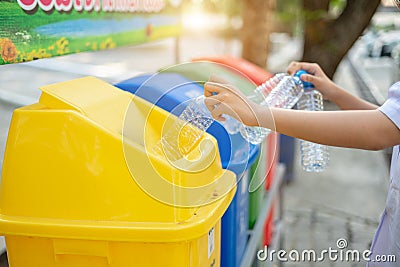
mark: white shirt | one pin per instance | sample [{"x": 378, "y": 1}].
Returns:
[{"x": 387, "y": 237}]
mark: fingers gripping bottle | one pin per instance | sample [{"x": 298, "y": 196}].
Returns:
[
  {"x": 314, "y": 157},
  {"x": 281, "y": 91},
  {"x": 258, "y": 96}
]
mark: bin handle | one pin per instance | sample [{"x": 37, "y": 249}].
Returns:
[{"x": 81, "y": 248}]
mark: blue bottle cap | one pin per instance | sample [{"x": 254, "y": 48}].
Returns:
[{"x": 306, "y": 85}]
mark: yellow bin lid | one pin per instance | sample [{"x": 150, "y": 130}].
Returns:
[{"x": 82, "y": 163}]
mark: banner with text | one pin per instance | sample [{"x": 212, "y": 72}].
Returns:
[{"x": 33, "y": 29}]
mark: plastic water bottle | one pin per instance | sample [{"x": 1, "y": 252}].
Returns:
[
  {"x": 281, "y": 91},
  {"x": 231, "y": 125},
  {"x": 195, "y": 114},
  {"x": 258, "y": 96},
  {"x": 314, "y": 157}
]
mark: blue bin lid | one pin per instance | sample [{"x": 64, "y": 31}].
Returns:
[{"x": 172, "y": 92}]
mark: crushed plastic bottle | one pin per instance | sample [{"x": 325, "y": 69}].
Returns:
[
  {"x": 258, "y": 96},
  {"x": 181, "y": 137},
  {"x": 231, "y": 125},
  {"x": 281, "y": 91},
  {"x": 314, "y": 157}
]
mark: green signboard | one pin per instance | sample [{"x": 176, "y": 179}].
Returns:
[{"x": 33, "y": 29}]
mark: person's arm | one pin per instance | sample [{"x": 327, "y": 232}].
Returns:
[
  {"x": 331, "y": 91},
  {"x": 347, "y": 101},
  {"x": 364, "y": 129}
]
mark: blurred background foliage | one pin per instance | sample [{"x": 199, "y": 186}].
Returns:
[{"x": 328, "y": 28}]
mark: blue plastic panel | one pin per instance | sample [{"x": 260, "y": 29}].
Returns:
[{"x": 234, "y": 224}]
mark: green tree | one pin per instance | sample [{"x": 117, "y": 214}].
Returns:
[
  {"x": 257, "y": 21},
  {"x": 330, "y": 27},
  {"x": 327, "y": 38}
]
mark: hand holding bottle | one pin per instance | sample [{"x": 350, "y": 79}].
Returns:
[
  {"x": 316, "y": 76},
  {"x": 329, "y": 90},
  {"x": 281, "y": 91},
  {"x": 225, "y": 99}
]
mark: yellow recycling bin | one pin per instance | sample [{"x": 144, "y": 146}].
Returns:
[{"x": 83, "y": 186}]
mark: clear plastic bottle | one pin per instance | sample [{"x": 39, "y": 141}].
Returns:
[
  {"x": 232, "y": 126},
  {"x": 314, "y": 157},
  {"x": 195, "y": 114},
  {"x": 258, "y": 96},
  {"x": 281, "y": 91}
]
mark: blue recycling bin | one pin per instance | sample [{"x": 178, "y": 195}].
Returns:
[
  {"x": 173, "y": 92},
  {"x": 287, "y": 149}
]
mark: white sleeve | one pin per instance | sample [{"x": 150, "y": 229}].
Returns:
[{"x": 391, "y": 107}]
